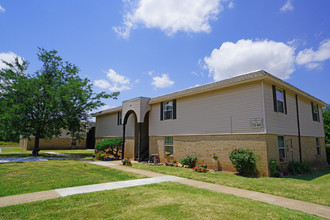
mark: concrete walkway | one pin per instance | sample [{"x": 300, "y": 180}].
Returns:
[
  {"x": 27, "y": 159},
  {"x": 51, "y": 194},
  {"x": 311, "y": 208}
]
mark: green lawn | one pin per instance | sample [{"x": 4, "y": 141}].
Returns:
[
  {"x": 311, "y": 187},
  {"x": 18, "y": 178},
  {"x": 8, "y": 144},
  {"x": 157, "y": 201}
]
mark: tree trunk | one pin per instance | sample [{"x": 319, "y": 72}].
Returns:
[{"x": 35, "y": 151}]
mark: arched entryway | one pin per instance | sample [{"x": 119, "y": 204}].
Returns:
[{"x": 140, "y": 147}]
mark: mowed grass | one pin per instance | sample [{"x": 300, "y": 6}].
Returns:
[
  {"x": 157, "y": 201},
  {"x": 309, "y": 187},
  {"x": 27, "y": 177},
  {"x": 8, "y": 144}
]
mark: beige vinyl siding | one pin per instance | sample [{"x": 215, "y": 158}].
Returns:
[
  {"x": 278, "y": 122},
  {"x": 308, "y": 127},
  {"x": 138, "y": 105},
  {"x": 106, "y": 126},
  {"x": 286, "y": 124},
  {"x": 218, "y": 112}
]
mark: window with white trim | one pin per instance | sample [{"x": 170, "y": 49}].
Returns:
[
  {"x": 169, "y": 144},
  {"x": 168, "y": 110},
  {"x": 315, "y": 112},
  {"x": 119, "y": 118},
  {"x": 281, "y": 149},
  {"x": 279, "y": 100},
  {"x": 318, "y": 148}
]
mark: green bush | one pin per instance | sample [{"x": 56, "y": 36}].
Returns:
[
  {"x": 244, "y": 161},
  {"x": 109, "y": 143},
  {"x": 327, "y": 148},
  {"x": 299, "y": 168},
  {"x": 274, "y": 168},
  {"x": 189, "y": 160}
]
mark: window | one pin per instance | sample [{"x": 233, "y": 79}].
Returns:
[
  {"x": 318, "y": 148},
  {"x": 279, "y": 100},
  {"x": 168, "y": 110},
  {"x": 281, "y": 149},
  {"x": 169, "y": 144},
  {"x": 315, "y": 112},
  {"x": 279, "y": 97},
  {"x": 73, "y": 142},
  {"x": 119, "y": 118}
]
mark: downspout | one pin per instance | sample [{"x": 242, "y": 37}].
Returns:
[{"x": 298, "y": 124}]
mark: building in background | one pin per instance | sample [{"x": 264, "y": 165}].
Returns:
[{"x": 64, "y": 141}]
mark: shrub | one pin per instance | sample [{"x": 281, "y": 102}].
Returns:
[
  {"x": 244, "y": 161},
  {"x": 189, "y": 160},
  {"x": 299, "y": 168},
  {"x": 274, "y": 168},
  {"x": 108, "y": 143},
  {"x": 327, "y": 148}
]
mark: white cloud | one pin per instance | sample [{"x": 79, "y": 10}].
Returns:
[
  {"x": 312, "y": 58},
  {"x": 231, "y": 4},
  {"x": 287, "y": 6},
  {"x": 233, "y": 59},
  {"x": 104, "y": 84},
  {"x": 10, "y": 58},
  {"x": 117, "y": 82},
  {"x": 170, "y": 16},
  {"x": 116, "y": 78},
  {"x": 118, "y": 88},
  {"x": 2, "y": 9},
  {"x": 162, "y": 82}
]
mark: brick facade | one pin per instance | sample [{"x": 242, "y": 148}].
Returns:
[
  {"x": 265, "y": 146},
  {"x": 52, "y": 144}
]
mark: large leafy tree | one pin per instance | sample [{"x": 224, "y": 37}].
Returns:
[
  {"x": 46, "y": 102},
  {"x": 326, "y": 121}
]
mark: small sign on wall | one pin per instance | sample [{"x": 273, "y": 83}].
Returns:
[{"x": 256, "y": 123}]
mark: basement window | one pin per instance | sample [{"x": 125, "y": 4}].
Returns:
[
  {"x": 318, "y": 148},
  {"x": 281, "y": 149},
  {"x": 169, "y": 144}
]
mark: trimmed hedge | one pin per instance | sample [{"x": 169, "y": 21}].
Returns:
[
  {"x": 244, "y": 160},
  {"x": 109, "y": 143}
]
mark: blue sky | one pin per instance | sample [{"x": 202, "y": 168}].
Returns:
[{"x": 153, "y": 47}]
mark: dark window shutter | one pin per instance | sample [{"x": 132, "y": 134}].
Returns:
[
  {"x": 313, "y": 111},
  {"x": 161, "y": 110},
  {"x": 284, "y": 97},
  {"x": 174, "y": 109},
  {"x": 274, "y": 98},
  {"x": 118, "y": 118},
  {"x": 318, "y": 113}
]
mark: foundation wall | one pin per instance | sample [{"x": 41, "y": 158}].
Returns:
[
  {"x": 308, "y": 150},
  {"x": 52, "y": 144},
  {"x": 203, "y": 147}
]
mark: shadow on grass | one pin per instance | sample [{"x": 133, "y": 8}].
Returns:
[{"x": 311, "y": 176}]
